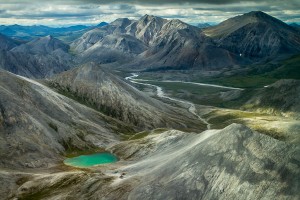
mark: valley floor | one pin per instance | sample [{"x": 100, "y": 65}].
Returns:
[{"x": 191, "y": 94}]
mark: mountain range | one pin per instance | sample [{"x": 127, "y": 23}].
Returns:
[
  {"x": 172, "y": 44},
  {"x": 153, "y": 43},
  {"x": 25, "y": 33}
]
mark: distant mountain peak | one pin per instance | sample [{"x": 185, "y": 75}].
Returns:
[
  {"x": 46, "y": 39},
  {"x": 102, "y": 24},
  {"x": 42, "y": 45},
  {"x": 150, "y": 18},
  {"x": 122, "y": 22},
  {"x": 50, "y": 37},
  {"x": 257, "y": 14}
]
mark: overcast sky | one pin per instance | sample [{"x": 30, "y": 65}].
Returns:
[{"x": 70, "y": 12}]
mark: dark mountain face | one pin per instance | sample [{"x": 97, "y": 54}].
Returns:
[
  {"x": 256, "y": 35},
  {"x": 39, "y": 58},
  {"x": 6, "y": 43}
]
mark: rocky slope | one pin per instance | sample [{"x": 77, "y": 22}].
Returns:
[
  {"x": 181, "y": 46},
  {"x": 108, "y": 44},
  {"x": 107, "y": 93},
  {"x": 219, "y": 164},
  {"x": 256, "y": 35},
  {"x": 281, "y": 98},
  {"x": 38, "y": 125},
  {"x": 93, "y": 36},
  {"x": 234, "y": 163}
]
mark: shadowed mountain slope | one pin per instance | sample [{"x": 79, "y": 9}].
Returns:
[
  {"x": 256, "y": 35},
  {"x": 6, "y": 43},
  {"x": 39, "y": 58}
]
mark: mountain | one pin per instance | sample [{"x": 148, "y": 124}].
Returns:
[
  {"x": 30, "y": 32},
  {"x": 256, "y": 35},
  {"x": 94, "y": 86},
  {"x": 115, "y": 42},
  {"x": 232, "y": 163},
  {"x": 181, "y": 46},
  {"x": 38, "y": 126},
  {"x": 6, "y": 43},
  {"x": 43, "y": 45},
  {"x": 153, "y": 42},
  {"x": 147, "y": 28},
  {"x": 102, "y": 24},
  {"x": 295, "y": 25},
  {"x": 96, "y": 35},
  {"x": 113, "y": 48},
  {"x": 171, "y": 44},
  {"x": 203, "y": 25},
  {"x": 39, "y": 58},
  {"x": 216, "y": 164}
]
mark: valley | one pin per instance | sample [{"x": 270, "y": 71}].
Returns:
[
  {"x": 151, "y": 108},
  {"x": 210, "y": 105},
  {"x": 161, "y": 94}
]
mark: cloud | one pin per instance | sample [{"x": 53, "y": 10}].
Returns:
[{"x": 68, "y": 12}]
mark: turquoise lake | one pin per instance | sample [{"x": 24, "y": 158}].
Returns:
[{"x": 91, "y": 160}]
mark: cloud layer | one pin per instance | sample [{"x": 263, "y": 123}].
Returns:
[{"x": 68, "y": 12}]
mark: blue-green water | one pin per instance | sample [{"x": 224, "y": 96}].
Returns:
[{"x": 91, "y": 160}]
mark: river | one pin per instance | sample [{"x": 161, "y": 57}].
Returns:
[{"x": 160, "y": 93}]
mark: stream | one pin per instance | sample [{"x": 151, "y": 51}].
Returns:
[{"x": 160, "y": 93}]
